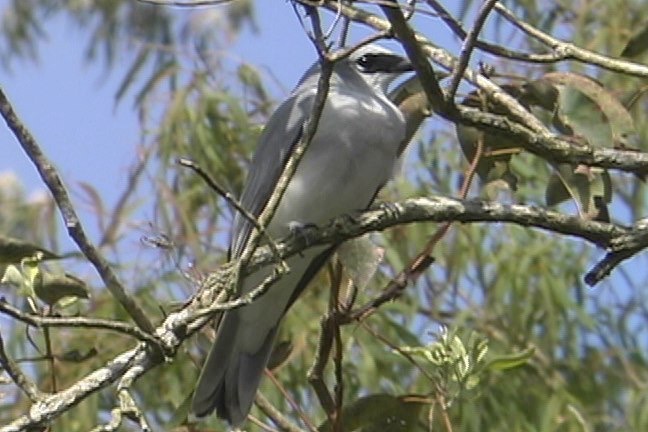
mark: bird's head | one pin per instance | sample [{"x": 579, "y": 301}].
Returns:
[
  {"x": 377, "y": 65},
  {"x": 372, "y": 64}
]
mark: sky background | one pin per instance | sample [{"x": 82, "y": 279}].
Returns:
[{"x": 69, "y": 104}]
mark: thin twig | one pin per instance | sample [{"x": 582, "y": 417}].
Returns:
[
  {"x": 344, "y": 32},
  {"x": 397, "y": 349},
  {"x": 110, "y": 233},
  {"x": 262, "y": 426},
  {"x": 77, "y": 322},
  {"x": 49, "y": 355},
  {"x": 468, "y": 47},
  {"x": 338, "y": 372},
  {"x": 315, "y": 374},
  {"x": 309, "y": 130},
  {"x": 334, "y": 307},
  {"x": 187, "y": 3},
  {"x": 569, "y": 51},
  {"x": 458, "y": 30},
  {"x": 17, "y": 375},
  {"x": 243, "y": 300},
  {"x": 302, "y": 415},
  {"x": 227, "y": 196},
  {"x": 419, "y": 61}
]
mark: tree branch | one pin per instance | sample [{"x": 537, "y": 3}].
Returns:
[
  {"x": 569, "y": 51},
  {"x": 53, "y": 180},
  {"x": 469, "y": 45},
  {"x": 179, "y": 326},
  {"x": 18, "y": 377},
  {"x": 79, "y": 322},
  {"x": 531, "y": 134}
]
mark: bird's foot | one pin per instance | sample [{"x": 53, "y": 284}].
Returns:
[
  {"x": 301, "y": 230},
  {"x": 386, "y": 206}
]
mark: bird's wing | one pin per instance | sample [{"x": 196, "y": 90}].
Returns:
[{"x": 280, "y": 135}]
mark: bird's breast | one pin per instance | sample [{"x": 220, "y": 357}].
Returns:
[{"x": 350, "y": 157}]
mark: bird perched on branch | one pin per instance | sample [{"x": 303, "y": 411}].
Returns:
[{"x": 350, "y": 157}]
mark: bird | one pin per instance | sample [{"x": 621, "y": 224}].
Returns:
[{"x": 350, "y": 157}]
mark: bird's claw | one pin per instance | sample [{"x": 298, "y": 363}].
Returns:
[{"x": 300, "y": 230}]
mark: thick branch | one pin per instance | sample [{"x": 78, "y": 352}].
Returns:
[
  {"x": 553, "y": 147},
  {"x": 443, "y": 209},
  {"x": 52, "y": 406}
]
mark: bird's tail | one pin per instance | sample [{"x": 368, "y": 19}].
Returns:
[
  {"x": 233, "y": 369},
  {"x": 230, "y": 377}
]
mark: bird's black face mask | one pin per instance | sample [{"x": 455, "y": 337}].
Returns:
[{"x": 384, "y": 63}]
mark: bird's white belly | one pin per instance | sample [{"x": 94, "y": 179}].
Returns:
[{"x": 341, "y": 170}]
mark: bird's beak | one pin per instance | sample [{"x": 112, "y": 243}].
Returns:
[{"x": 397, "y": 64}]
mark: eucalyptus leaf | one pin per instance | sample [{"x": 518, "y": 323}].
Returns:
[
  {"x": 616, "y": 116},
  {"x": 13, "y": 250},
  {"x": 381, "y": 413},
  {"x": 410, "y": 98},
  {"x": 510, "y": 361},
  {"x": 60, "y": 288},
  {"x": 360, "y": 258}
]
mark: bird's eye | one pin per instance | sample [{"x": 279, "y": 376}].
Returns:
[{"x": 363, "y": 61}]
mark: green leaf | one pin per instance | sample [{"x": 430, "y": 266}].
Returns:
[
  {"x": 13, "y": 251},
  {"x": 132, "y": 73},
  {"x": 360, "y": 258},
  {"x": 381, "y": 413},
  {"x": 25, "y": 278},
  {"x": 556, "y": 191},
  {"x": 586, "y": 120},
  {"x": 589, "y": 187},
  {"x": 164, "y": 71},
  {"x": 638, "y": 43},
  {"x": 60, "y": 288},
  {"x": 410, "y": 98},
  {"x": 511, "y": 361},
  {"x": 12, "y": 276}
]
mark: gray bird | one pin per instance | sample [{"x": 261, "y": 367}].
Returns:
[{"x": 351, "y": 156}]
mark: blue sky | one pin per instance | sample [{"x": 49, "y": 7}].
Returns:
[{"x": 68, "y": 104}]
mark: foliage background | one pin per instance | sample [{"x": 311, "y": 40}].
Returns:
[{"x": 192, "y": 95}]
